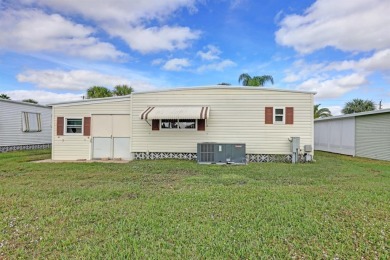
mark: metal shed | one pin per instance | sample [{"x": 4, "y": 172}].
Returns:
[{"x": 365, "y": 134}]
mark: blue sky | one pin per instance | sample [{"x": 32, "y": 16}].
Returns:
[{"x": 53, "y": 50}]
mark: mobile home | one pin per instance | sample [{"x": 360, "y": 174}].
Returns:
[
  {"x": 24, "y": 126},
  {"x": 171, "y": 123},
  {"x": 365, "y": 134}
]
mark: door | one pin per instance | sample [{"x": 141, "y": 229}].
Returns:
[{"x": 111, "y": 136}]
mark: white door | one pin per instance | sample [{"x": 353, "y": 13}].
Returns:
[
  {"x": 111, "y": 136},
  {"x": 121, "y": 148},
  {"x": 101, "y": 147}
]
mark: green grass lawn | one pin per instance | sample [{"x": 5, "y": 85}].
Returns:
[{"x": 336, "y": 207}]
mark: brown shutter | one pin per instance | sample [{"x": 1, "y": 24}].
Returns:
[
  {"x": 289, "y": 115},
  {"x": 201, "y": 124},
  {"x": 60, "y": 125},
  {"x": 155, "y": 124},
  {"x": 269, "y": 115},
  {"x": 87, "y": 126}
]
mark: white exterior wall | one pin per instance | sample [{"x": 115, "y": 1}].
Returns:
[
  {"x": 236, "y": 116},
  {"x": 373, "y": 136},
  {"x": 76, "y": 147},
  {"x": 335, "y": 136},
  {"x": 11, "y": 124}
]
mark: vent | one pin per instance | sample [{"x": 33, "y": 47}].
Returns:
[
  {"x": 206, "y": 153},
  {"x": 221, "y": 153}
]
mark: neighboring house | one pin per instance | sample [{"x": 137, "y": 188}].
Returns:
[
  {"x": 365, "y": 134},
  {"x": 170, "y": 123},
  {"x": 24, "y": 126}
]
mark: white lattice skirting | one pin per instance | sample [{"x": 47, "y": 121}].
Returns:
[
  {"x": 193, "y": 156},
  {"x": 10, "y": 148}
]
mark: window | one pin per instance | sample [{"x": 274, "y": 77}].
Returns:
[
  {"x": 178, "y": 124},
  {"x": 31, "y": 122},
  {"x": 74, "y": 126},
  {"x": 279, "y": 115}
]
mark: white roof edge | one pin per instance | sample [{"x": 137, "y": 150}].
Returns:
[
  {"x": 24, "y": 103},
  {"x": 225, "y": 87},
  {"x": 99, "y": 100},
  {"x": 378, "y": 111},
  {"x": 92, "y": 100}
]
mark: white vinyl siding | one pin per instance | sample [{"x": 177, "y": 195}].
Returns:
[
  {"x": 78, "y": 147},
  {"x": 13, "y": 125},
  {"x": 236, "y": 116}
]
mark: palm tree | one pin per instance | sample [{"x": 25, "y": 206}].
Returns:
[
  {"x": 358, "y": 105},
  {"x": 122, "y": 90},
  {"x": 98, "y": 92},
  {"x": 4, "y": 96},
  {"x": 255, "y": 81},
  {"x": 30, "y": 100},
  {"x": 321, "y": 112}
]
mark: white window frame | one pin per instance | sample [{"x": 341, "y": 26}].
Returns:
[
  {"x": 179, "y": 129},
  {"x": 26, "y": 116},
  {"x": 284, "y": 116},
  {"x": 66, "y": 125}
]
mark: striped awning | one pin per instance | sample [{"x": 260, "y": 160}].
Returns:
[{"x": 175, "y": 112}]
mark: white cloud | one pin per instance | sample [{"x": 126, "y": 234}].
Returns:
[
  {"x": 156, "y": 62},
  {"x": 335, "y": 110},
  {"x": 211, "y": 53},
  {"x": 379, "y": 61},
  {"x": 77, "y": 80},
  {"x": 218, "y": 66},
  {"x": 301, "y": 70},
  {"x": 176, "y": 64},
  {"x": 357, "y": 25},
  {"x": 129, "y": 20},
  {"x": 132, "y": 12},
  {"x": 333, "y": 88},
  {"x": 154, "y": 39},
  {"x": 34, "y": 30},
  {"x": 43, "y": 97}
]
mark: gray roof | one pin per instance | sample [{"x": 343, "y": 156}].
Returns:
[
  {"x": 373, "y": 112},
  {"x": 22, "y": 103}
]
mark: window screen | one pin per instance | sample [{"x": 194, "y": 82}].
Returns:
[
  {"x": 31, "y": 122},
  {"x": 74, "y": 126}
]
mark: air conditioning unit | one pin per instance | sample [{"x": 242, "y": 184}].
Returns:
[{"x": 221, "y": 153}]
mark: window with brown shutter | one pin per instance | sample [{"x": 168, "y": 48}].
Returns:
[
  {"x": 87, "y": 126},
  {"x": 269, "y": 115},
  {"x": 155, "y": 124},
  {"x": 201, "y": 124},
  {"x": 60, "y": 125},
  {"x": 289, "y": 115}
]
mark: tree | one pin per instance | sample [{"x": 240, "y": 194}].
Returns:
[
  {"x": 4, "y": 96},
  {"x": 98, "y": 92},
  {"x": 255, "y": 81},
  {"x": 30, "y": 100},
  {"x": 122, "y": 90},
  {"x": 358, "y": 105},
  {"x": 321, "y": 112}
]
